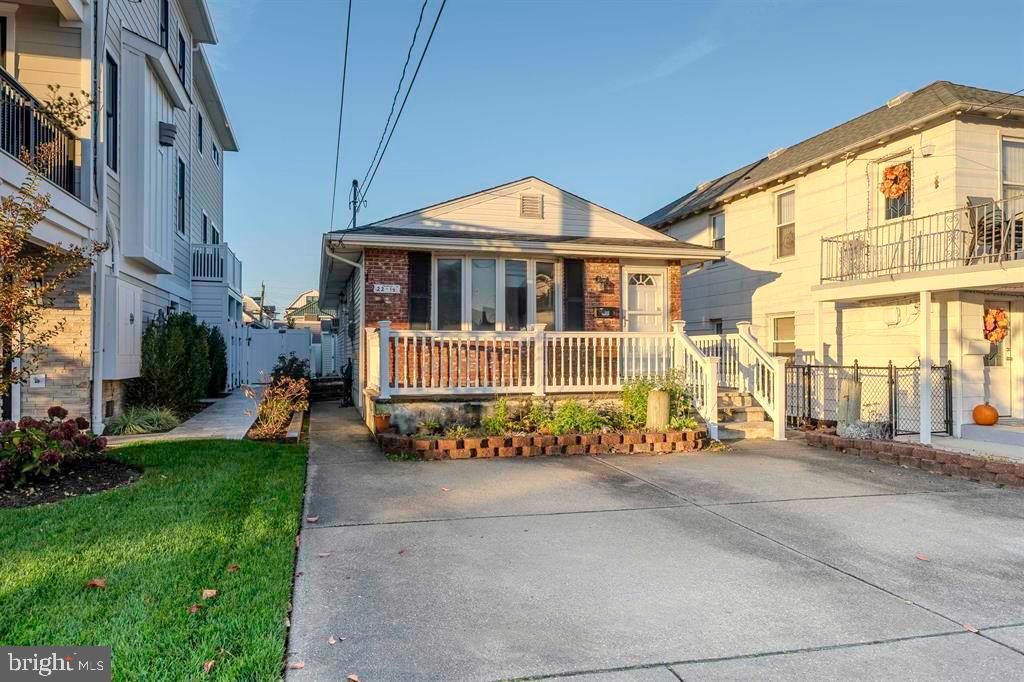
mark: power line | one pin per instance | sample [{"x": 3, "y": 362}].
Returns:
[
  {"x": 341, "y": 111},
  {"x": 412, "y": 82},
  {"x": 398, "y": 90}
]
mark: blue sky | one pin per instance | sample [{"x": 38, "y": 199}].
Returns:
[{"x": 630, "y": 104}]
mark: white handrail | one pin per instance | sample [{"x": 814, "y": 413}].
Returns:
[
  {"x": 764, "y": 377},
  {"x": 700, "y": 373}
]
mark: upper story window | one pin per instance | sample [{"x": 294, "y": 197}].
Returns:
[
  {"x": 785, "y": 224},
  {"x": 1013, "y": 168},
  {"x": 165, "y": 22},
  {"x": 206, "y": 229},
  {"x": 199, "y": 131},
  {"x": 182, "y": 222},
  {"x": 896, "y": 187},
  {"x": 215, "y": 152},
  {"x": 718, "y": 230},
  {"x": 111, "y": 101},
  {"x": 182, "y": 56}
]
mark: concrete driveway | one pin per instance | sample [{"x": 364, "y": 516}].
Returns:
[{"x": 772, "y": 560}]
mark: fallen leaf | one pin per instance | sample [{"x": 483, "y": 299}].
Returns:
[
  {"x": 233, "y": 568},
  {"x": 287, "y": 622},
  {"x": 300, "y": 574},
  {"x": 194, "y": 608},
  {"x": 331, "y": 640},
  {"x": 97, "y": 584},
  {"x": 402, "y": 552},
  {"x": 312, "y": 519},
  {"x": 970, "y": 628},
  {"x": 922, "y": 557},
  {"x": 208, "y": 666},
  {"x": 353, "y": 678},
  {"x": 298, "y": 540},
  {"x": 446, "y": 489},
  {"x": 297, "y": 665},
  {"x": 209, "y": 594},
  {"x": 324, "y": 555}
]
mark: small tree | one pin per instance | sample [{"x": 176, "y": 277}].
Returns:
[
  {"x": 31, "y": 276},
  {"x": 218, "y": 363}
]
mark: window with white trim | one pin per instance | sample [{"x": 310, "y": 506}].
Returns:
[
  {"x": 785, "y": 224},
  {"x": 718, "y": 230},
  {"x": 901, "y": 206},
  {"x": 1013, "y": 168},
  {"x": 784, "y": 336},
  {"x": 487, "y": 293}
]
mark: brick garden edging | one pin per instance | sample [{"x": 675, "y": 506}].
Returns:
[
  {"x": 633, "y": 442},
  {"x": 924, "y": 457}
]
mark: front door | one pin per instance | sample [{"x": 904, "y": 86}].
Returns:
[
  {"x": 645, "y": 302},
  {"x": 999, "y": 360}
]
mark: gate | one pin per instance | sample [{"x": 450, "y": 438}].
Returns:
[
  {"x": 890, "y": 396},
  {"x": 265, "y": 345}
]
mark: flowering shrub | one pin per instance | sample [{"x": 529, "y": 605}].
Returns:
[
  {"x": 280, "y": 400},
  {"x": 37, "y": 447}
]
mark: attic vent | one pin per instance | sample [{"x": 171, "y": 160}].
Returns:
[
  {"x": 898, "y": 99},
  {"x": 775, "y": 152},
  {"x": 531, "y": 206}
]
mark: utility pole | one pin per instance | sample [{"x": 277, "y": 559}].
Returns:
[
  {"x": 355, "y": 202},
  {"x": 263, "y": 299}
]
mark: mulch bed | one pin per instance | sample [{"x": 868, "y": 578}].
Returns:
[{"x": 82, "y": 477}]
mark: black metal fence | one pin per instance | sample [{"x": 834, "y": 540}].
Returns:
[
  {"x": 889, "y": 396},
  {"x": 25, "y": 125}
]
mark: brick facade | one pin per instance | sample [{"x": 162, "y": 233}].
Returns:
[
  {"x": 67, "y": 361},
  {"x": 602, "y": 288},
  {"x": 386, "y": 266}
]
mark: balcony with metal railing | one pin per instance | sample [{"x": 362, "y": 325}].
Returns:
[
  {"x": 218, "y": 264},
  {"x": 25, "y": 126},
  {"x": 981, "y": 233}
]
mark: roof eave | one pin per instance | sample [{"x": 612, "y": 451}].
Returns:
[
  {"x": 200, "y": 21},
  {"x": 210, "y": 94}
]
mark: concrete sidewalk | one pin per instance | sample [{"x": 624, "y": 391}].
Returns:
[
  {"x": 225, "y": 419},
  {"x": 772, "y": 560}
]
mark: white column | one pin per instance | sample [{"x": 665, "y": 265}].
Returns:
[
  {"x": 925, "y": 375},
  {"x": 819, "y": 326},
  {"x": 385, "y": 375},
  {"x": 539, "y": 357}
]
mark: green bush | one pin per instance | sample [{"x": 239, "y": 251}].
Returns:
[
  {"x": 572, "y": 417},
  {"x": 136, "y": 420},
  {"x": 499, "y": 422},
  {"x": 218, "y": 363},
  {"x": 635, "y": 392},
  {"x": 175, "y": 368},
  {"x": 291, "y": 367}
]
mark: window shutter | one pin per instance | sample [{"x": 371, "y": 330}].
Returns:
[
  {"x": 419, "y": 290},
  {"x": 574, "y": 287}
]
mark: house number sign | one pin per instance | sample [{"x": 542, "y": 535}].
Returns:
[{"x": 387, "y": 288}]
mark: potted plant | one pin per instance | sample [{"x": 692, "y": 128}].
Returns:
[{"x": 381, "y": 417}]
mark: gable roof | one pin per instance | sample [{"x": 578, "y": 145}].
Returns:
[
  {"x": 440, "y": 209},
  {"x": 936, "y": 99}
]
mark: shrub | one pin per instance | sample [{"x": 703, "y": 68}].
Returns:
[
  {"x": 280, "y": 399},
  {"x": 175, "y": 368},
  {"x": 635, "y": 392},
  {"x": 34, "y": 448},
  {"x": 291, "y": 367},
  {"x": 457, "y": 431},
  {"x": 136, "y": 420},
  {"x": 218, "y": 363},
  {"x": 572, "y": 417},
  {"x": 499, "y": 421}
]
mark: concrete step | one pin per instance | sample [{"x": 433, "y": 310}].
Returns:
[
  {"x": 752, "y": 413},
  {"x": 746, "y": 430},
  {"x": 735, "y": 399}
]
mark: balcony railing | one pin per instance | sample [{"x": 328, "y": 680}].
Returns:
[
  {"x": 982, "y": 232},
  {"x": 216, "y": 263},
  {"x": 25, "y": 126}
]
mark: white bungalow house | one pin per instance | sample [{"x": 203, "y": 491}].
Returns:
[
  {"x": 886, "y": 239},
  {"x": 523, "y": 288}
]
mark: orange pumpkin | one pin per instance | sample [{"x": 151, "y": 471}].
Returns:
[{"x": 985, "y": 415}]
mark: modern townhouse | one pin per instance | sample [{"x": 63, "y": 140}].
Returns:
[
  {"x": 896, "y": 237},
  {"x": 144, "y": 175}
]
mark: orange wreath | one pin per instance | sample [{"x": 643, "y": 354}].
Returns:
[{"x": 896, "y": 181}]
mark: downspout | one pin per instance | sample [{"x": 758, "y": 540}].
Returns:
[{"x": 100, "y": 170}]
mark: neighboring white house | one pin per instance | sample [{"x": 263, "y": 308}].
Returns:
[
  {"x": 831, "y": 270},
  {"x": 145, "y": 175}
]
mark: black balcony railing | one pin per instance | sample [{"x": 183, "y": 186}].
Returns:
[
  {"x": 984, "y": 231},
  {"x": 25, "y": 126}
]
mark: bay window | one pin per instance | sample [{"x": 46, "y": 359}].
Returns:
[{"x": 483, "y": 294}]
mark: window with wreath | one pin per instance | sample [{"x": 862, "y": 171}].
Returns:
[{"x": 896, "y": 188}]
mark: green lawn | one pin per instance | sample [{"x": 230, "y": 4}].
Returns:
[{"x": 200, "y": 507}]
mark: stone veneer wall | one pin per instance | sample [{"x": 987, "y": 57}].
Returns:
[{"x": 67, "y": 361}]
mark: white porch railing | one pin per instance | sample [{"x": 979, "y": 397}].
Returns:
[
  {"x": 216, "y": 263},
  {"x": 537, "y": 362}
]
